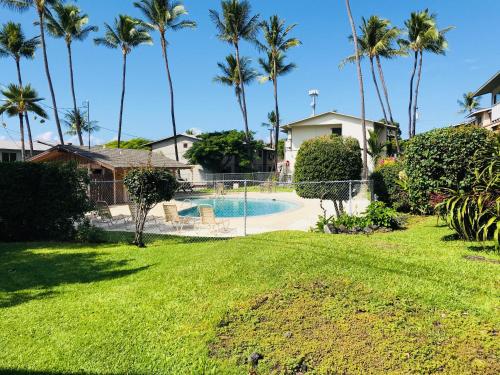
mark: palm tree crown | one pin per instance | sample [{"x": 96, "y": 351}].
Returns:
[
  {"x": 69, "y": 23},
  {"x": 423, "y": 33},
  {"x": 126, "y": 34},
  {"x": 469, "y": 103},
  {"x": 14, "y": 43},
  {"x": 230, "y": 75},
  {"x": 19, "y": 100},
  {"x": 162, "y": 15},
  {"x": 275, "y": 33},
  {"x": 73, "y": 119},
  {"x": 236, "y": 22}
]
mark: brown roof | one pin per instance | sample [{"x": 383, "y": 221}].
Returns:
[{"x": 117, "y": 158}]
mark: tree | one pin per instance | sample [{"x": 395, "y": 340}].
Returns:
[
  {"x": 375, "y": 147},
  {"x": 423, "y": 36},
  {"x": 41, "y": 8},
  {"x": 77, "y": 121},
  {"x": 361, "y": 89},
  {"x": 276, "y": 44},
  {"x": 216, "y": 151},
  {"x": 13, "y": 43},
  {"x": 469, "y": 103},
  {"x": 134, "y": 144},
  {"x": 162, "y": 16},
  {"x": 230, "y": 76},
  {"x": 127, "y": 34},
  {"x": 236, "y": 24},
  {"x": 18, "y": 101},
  {"x": 270, "y": 125},
  {"x": 67, "y": 22}
]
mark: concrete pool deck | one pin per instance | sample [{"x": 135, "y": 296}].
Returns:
[{"x": 301, "y": 218}]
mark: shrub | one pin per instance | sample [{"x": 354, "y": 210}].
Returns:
[
  {"x": 148, "y": 187},
  {"x": 41, "y": 201},
  {"x": 387, "y": 184},
  {"x": 445, "y": 158},
  {"x": 88, "y": 233},
  {"x": 328, "y": 158},
  {"x": 378, "y": 214}
]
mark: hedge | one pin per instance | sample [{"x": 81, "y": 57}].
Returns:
[
  {"x": 386, "y": 187},
  {"x": 41, "y": 201}
]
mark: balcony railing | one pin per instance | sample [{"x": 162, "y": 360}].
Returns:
[{"x": 495, "y": 112}]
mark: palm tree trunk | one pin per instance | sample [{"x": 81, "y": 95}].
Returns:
[
  {"x": 28, "y": 128},
  {"x": 243, "y": 97},
  {"x": 21, "y": 130},
  {"x": 75, "y": 108},
  {"x": 171, "y": 86},
  {"x": 361, "y": 91},
  {"x": 415, "y": 105},
  {"x": 388, "y": 102},
  {"x": 410, "y": 122},
  {"x": 374, "y": 77},
  {"x": 277, "y": 125},
  {"x": 47, "y": 73},
  {"x": 120, "y": 121},
  {"x": 238, "y": 97}
]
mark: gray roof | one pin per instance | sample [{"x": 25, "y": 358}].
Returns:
[
  {"x": 16, "y": 145},
  {"x": 183, "y": 135},
  {"x": 119, "y": 158},
  {"x": 489, "y": 86}
]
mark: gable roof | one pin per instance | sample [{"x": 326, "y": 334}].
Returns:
[
  {"x": 116, "y": 158},
  {"x": 15, "y": 146},
  {"x": 489, "y": 86},
  {"x": 192, "y": 137},
  {"x": 299, "y": 122}
]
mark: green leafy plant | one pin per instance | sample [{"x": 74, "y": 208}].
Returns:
[
  {"x": 389, "y": 184},
  {"x": 88, "y": 233},
  {"x": 378, "y": 214}
]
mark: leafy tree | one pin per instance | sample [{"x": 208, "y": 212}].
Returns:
[
  {"x": 276, "y": 44},
  {"x": 215, "y": 151},
  {"x": 18, "y": 101},
  {"x": 148, "y": 187},
  {"x": 14, "y": 44},
  {"x": 126, "y": 34},
  {"x": 230, "y": 76},
  {"x": 42, "y": 9},
  {"x": 235, "y": 24},
  {"x": 469, "y": 103},
  {"x": 163, "y": 16},
  {"x": 68, "y": 23},
  {"x": 134, "y": 143}
]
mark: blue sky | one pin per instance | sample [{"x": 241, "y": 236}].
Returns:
[{"x": 323, "y": 28}]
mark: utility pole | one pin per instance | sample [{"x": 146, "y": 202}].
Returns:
[{"x": 87, "y": 104}]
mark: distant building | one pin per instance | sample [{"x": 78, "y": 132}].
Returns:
[
  {"x": 489, "y": 117},
  {"x": 10, "y": 151}
]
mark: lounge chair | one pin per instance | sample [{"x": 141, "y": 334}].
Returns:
[
  {"x": 133, "y": 211},
  {"x": 185, "y": 186},
  {"x": 220, "y": 189},
  {"x": 207, "y": 217},
  {"x": 104, "y": 214},
  {"x": 172, "y": 216}
]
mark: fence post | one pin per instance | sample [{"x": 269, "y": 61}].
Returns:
[
  {"x": 350, "y": 197},
  {"x": 245, "y": 211}
]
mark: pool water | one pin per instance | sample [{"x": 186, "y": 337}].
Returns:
[{"x": 234, "y": 207}]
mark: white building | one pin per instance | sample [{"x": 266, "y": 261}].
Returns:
[
  {"x": 489, "y": 117},
  {"x": 326, "y": 124},
  {"x": 10, "y": 151}
]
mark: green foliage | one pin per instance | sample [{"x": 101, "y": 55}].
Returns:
[
  {"x": 88, "y": 233},
  {"x": 327, "y": 158},
  {"x": 215, "y": 151},
  {"x": 134, "y": 144},
  {"x": 445, "y": 159},
  {"x": 387, "y": 185},
  {"x": 148, "y": 187},
  {"x": 41, "y": 201}
]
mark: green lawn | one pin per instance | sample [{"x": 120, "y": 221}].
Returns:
[{"x": 402, "y": 302}]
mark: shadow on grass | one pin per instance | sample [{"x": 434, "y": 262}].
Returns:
[
  {"x": 451, "y": 238},
  {"x": 34, "y": 372},
  {"x": 150, "y": 238},
  {"x": 28, "y": 276}
]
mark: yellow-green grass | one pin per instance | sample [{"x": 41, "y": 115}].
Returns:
[{"x": 408, "y": 301}]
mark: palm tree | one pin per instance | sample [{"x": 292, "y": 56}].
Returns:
[
  {"x": 423, "y": 35},
  {"x": 77, "y": 122},
  {"x": 357, "y": 52},
  {"x": 469, "y": 103},
  {"x": 375, "y": 147},
  {"x": 230, "y": 76},
  {"x": 276, "y": 44},
  {"x": 18, "y": 101},
  {"x": 41, "y": 8},
  {"x": 13, "y": 43},
  {"x": 126, "y": 34},
  {"x": 164, "y": 15},
  {"x": 271, "y": 126},
  {"x": 236, "y": 24},
  {"x": 67, "y": 21}
]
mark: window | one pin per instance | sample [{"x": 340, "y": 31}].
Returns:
[
  {"x": 496, "y": 98},
  {"x": 8, "y": 157},
  {"x": 185, "y": 145},
  {"x": 337, "y": 130}
]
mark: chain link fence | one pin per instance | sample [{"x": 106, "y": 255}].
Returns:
[{"x": 222, "y": 209}]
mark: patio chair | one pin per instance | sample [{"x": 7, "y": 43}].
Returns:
[
  {"x": 172, "y": 216},
  {"x": 207, "y": 217},
  {"x": 267, "y": 187},
  {"x": 185, "y": 186},
  {"x": 220, "y": 189},
  {"x": 104, "y": 214},
  {"x": 133, "y": 211}
]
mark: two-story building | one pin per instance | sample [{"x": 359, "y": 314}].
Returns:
[{"x": 489, "y": 117}]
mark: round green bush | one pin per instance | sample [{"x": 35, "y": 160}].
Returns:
[
  {"x": 445, "y": 159},
  {"x": 386, "y": 187}
]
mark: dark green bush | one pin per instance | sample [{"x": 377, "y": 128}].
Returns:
[
  {"x": 41, "y": 201},
  {"x": 88, "y": 233},
  {"x": 378, "y": 214},
  {"x": 386, "y": 185},
  {"x": 445, "y": 158}
]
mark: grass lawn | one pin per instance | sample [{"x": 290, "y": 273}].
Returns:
[{"x": 414, "y": 301}]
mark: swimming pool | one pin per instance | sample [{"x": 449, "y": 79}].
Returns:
[{"x": 234, "y": 207}]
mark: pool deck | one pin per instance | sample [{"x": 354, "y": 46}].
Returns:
[{"x": 301, "y": 218}]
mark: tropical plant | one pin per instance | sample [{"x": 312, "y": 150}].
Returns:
[
  {"x": 18, "y": 101},
  {"x": 163, "y": 16},
  {"x": 375, "y": 147},
  {"x": 42, "y": 9},
  {"x": 271, "y": 126},
  {"x": 133, "y": 144},
  {"x": 14, "y": 44},
  {"x": 423, "y": 36},
  {"x": 77, "y": 121},
  {"x": 469, "y": 103},
  {"x": 276, "y": 43},
  {"x": 126, "y": 34},
  {"x": 230, "y": 76},
  {"x": 69, "y": 23},
  {"x": 235, "y": 24},
  {"x": 387, "y": 184},
  {"x": 357, "y": 54}
]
